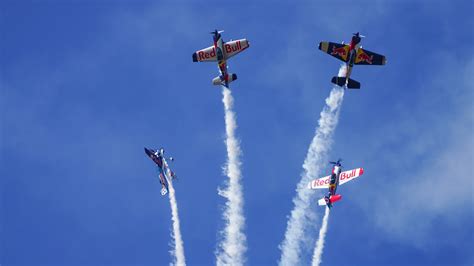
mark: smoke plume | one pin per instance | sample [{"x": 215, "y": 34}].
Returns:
[
  {"x": 233, "y": 245},
  {"x": 303, "y": 213},
  {"x": 178, "y": 251},
  {"x": 318, "y": 249}
]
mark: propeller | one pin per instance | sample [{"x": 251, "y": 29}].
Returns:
[
  {"x": 338, "y": 162},
  {"x": 358, "y": 35},
  {"x": 215, "y": 32}
]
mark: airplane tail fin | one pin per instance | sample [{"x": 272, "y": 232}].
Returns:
[
  {"x": 341, "y": 81},
  {"x": 221, "y": 81}
]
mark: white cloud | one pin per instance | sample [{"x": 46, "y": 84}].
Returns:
[{"x": 419, "y": 163}]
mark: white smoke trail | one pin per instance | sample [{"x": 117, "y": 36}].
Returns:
[
  {"x": 178, "y": 251},
  {"x": 318, "y": 250},
  {"x": 303, "y": 212},
  {"x": 233, "y": 246}
]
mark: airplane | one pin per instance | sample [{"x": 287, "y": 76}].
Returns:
[
  {"x": 163, "y": 168},
  {"x": 332, "y": 181},
  {"x": 352, "y": 54},
  {"x": 220, "y": 52}
]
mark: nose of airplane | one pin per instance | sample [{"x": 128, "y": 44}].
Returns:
[{"x": 147, "y": 151}]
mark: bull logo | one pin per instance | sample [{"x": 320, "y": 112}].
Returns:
[
  {"x": 341, "y": 51},
  {"x": 363, "y": 57}
]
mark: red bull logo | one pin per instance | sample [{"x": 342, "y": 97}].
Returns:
[
  {"x": 347, "y": 175},
  {"x": 233, "y": 48},
  {"x": 341, "y": 51},
  {"x": 320, "y": 182},
  {"x": 363, "y": 57},
  {"x": 203, "y": 55}
]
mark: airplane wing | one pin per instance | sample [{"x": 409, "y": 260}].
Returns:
[
  {"x": 347, "y": 176},
  {"x": 322, "y": 182},
  {"x": 339, "y": 51},
  {"x": 234, "y": 47},
  {"x": 205, "y": 55},
  {"x": 365, "y": 57}
]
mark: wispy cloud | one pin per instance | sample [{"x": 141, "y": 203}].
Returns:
[
  {"x": 233, "y": 246},
  {"x": 424, "y": 188}
]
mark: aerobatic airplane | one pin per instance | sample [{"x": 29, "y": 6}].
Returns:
[
  {"x": 332, "y": 181},
  {"x": 163, "y": 168},
  {"x": 220, "y": 52},
  {"x": 352, "y": 54}
]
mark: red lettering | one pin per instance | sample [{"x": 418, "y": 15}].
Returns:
[
  {"x": 206, "y": 55},
  {"x": 326, "y": 181},
  {"x": 201, "y": 55},
  {"x": 228, "y": 49}
]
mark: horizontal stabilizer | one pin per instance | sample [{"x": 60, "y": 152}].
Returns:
[
  {"x": 352, "y": 84},
  {"x": 220, "y": 80},
  {"x": 164, "y": 191},
  {"x": 328, "y": 201},
  {"x": 340, "y": 81},
  {"x": 322, "y": 202},
  {"x": 335, "y": 198}
]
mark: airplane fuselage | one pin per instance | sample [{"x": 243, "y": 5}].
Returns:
[
  {"x": 334, "y": 181},
  {"x": 158, "y": 159},
  {"x": 353, "y": 47},
  {"x": 221, "y": 62}
]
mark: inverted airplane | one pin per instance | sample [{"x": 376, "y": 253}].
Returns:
[
  {"x": 352, "y": 54},
  {"x": 332, "y": 181},
  {"x": 220, "y": 52},
  {"x": 164, "y": 172}
]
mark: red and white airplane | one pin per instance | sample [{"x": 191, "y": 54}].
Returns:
[
  {"x": 220, "y": 52},
  {"x": 332, "y": 181},
  {"x": 352, "y": 54}
]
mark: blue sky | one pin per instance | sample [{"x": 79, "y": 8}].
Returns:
[{"x": 85, "y": 85}]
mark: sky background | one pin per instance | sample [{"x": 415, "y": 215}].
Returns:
[{"x": 85, "y": 85}]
